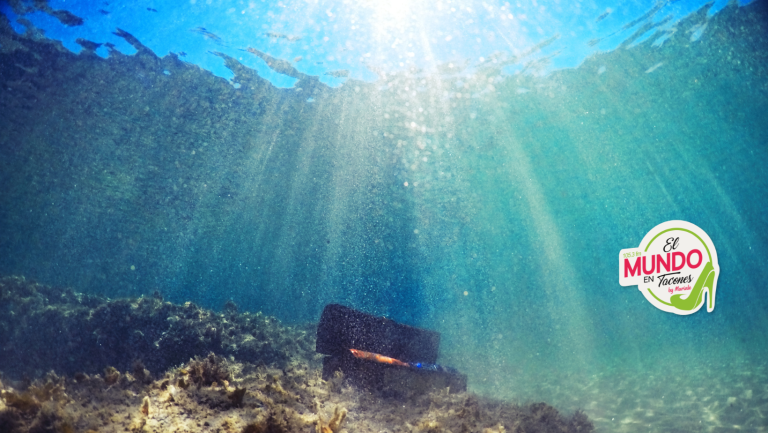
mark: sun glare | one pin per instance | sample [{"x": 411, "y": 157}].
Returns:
[{"x": 392, "y": 13}]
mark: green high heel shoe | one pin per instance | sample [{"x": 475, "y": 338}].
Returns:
[{"x": 704, "y": 282}]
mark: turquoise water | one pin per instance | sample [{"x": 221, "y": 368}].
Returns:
[{"x": 487, "y": 205}]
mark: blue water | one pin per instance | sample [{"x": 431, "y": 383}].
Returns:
[{"x": 488, "y": 204}]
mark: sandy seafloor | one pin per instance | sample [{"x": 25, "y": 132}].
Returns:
[
  {"x": 694, "y": 397},
  {"x": 261, "y": 376}
]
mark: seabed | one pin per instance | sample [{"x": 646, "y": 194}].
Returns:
[{"x": 258, "y": 376}]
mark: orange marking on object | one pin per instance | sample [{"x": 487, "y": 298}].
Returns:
[{"x": 376, "y": 357}]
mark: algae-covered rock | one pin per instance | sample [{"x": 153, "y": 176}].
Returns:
[
  {"x": 207, "y": 371},
  {"x": 90, "y": 333}
]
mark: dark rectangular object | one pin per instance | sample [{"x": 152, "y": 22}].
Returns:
[{"x": 342, "y": 328}]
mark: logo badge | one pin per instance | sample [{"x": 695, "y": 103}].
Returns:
[{"x": 674, "y": 266}]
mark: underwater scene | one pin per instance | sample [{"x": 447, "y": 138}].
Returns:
[{"x": 383, "y": 216}]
